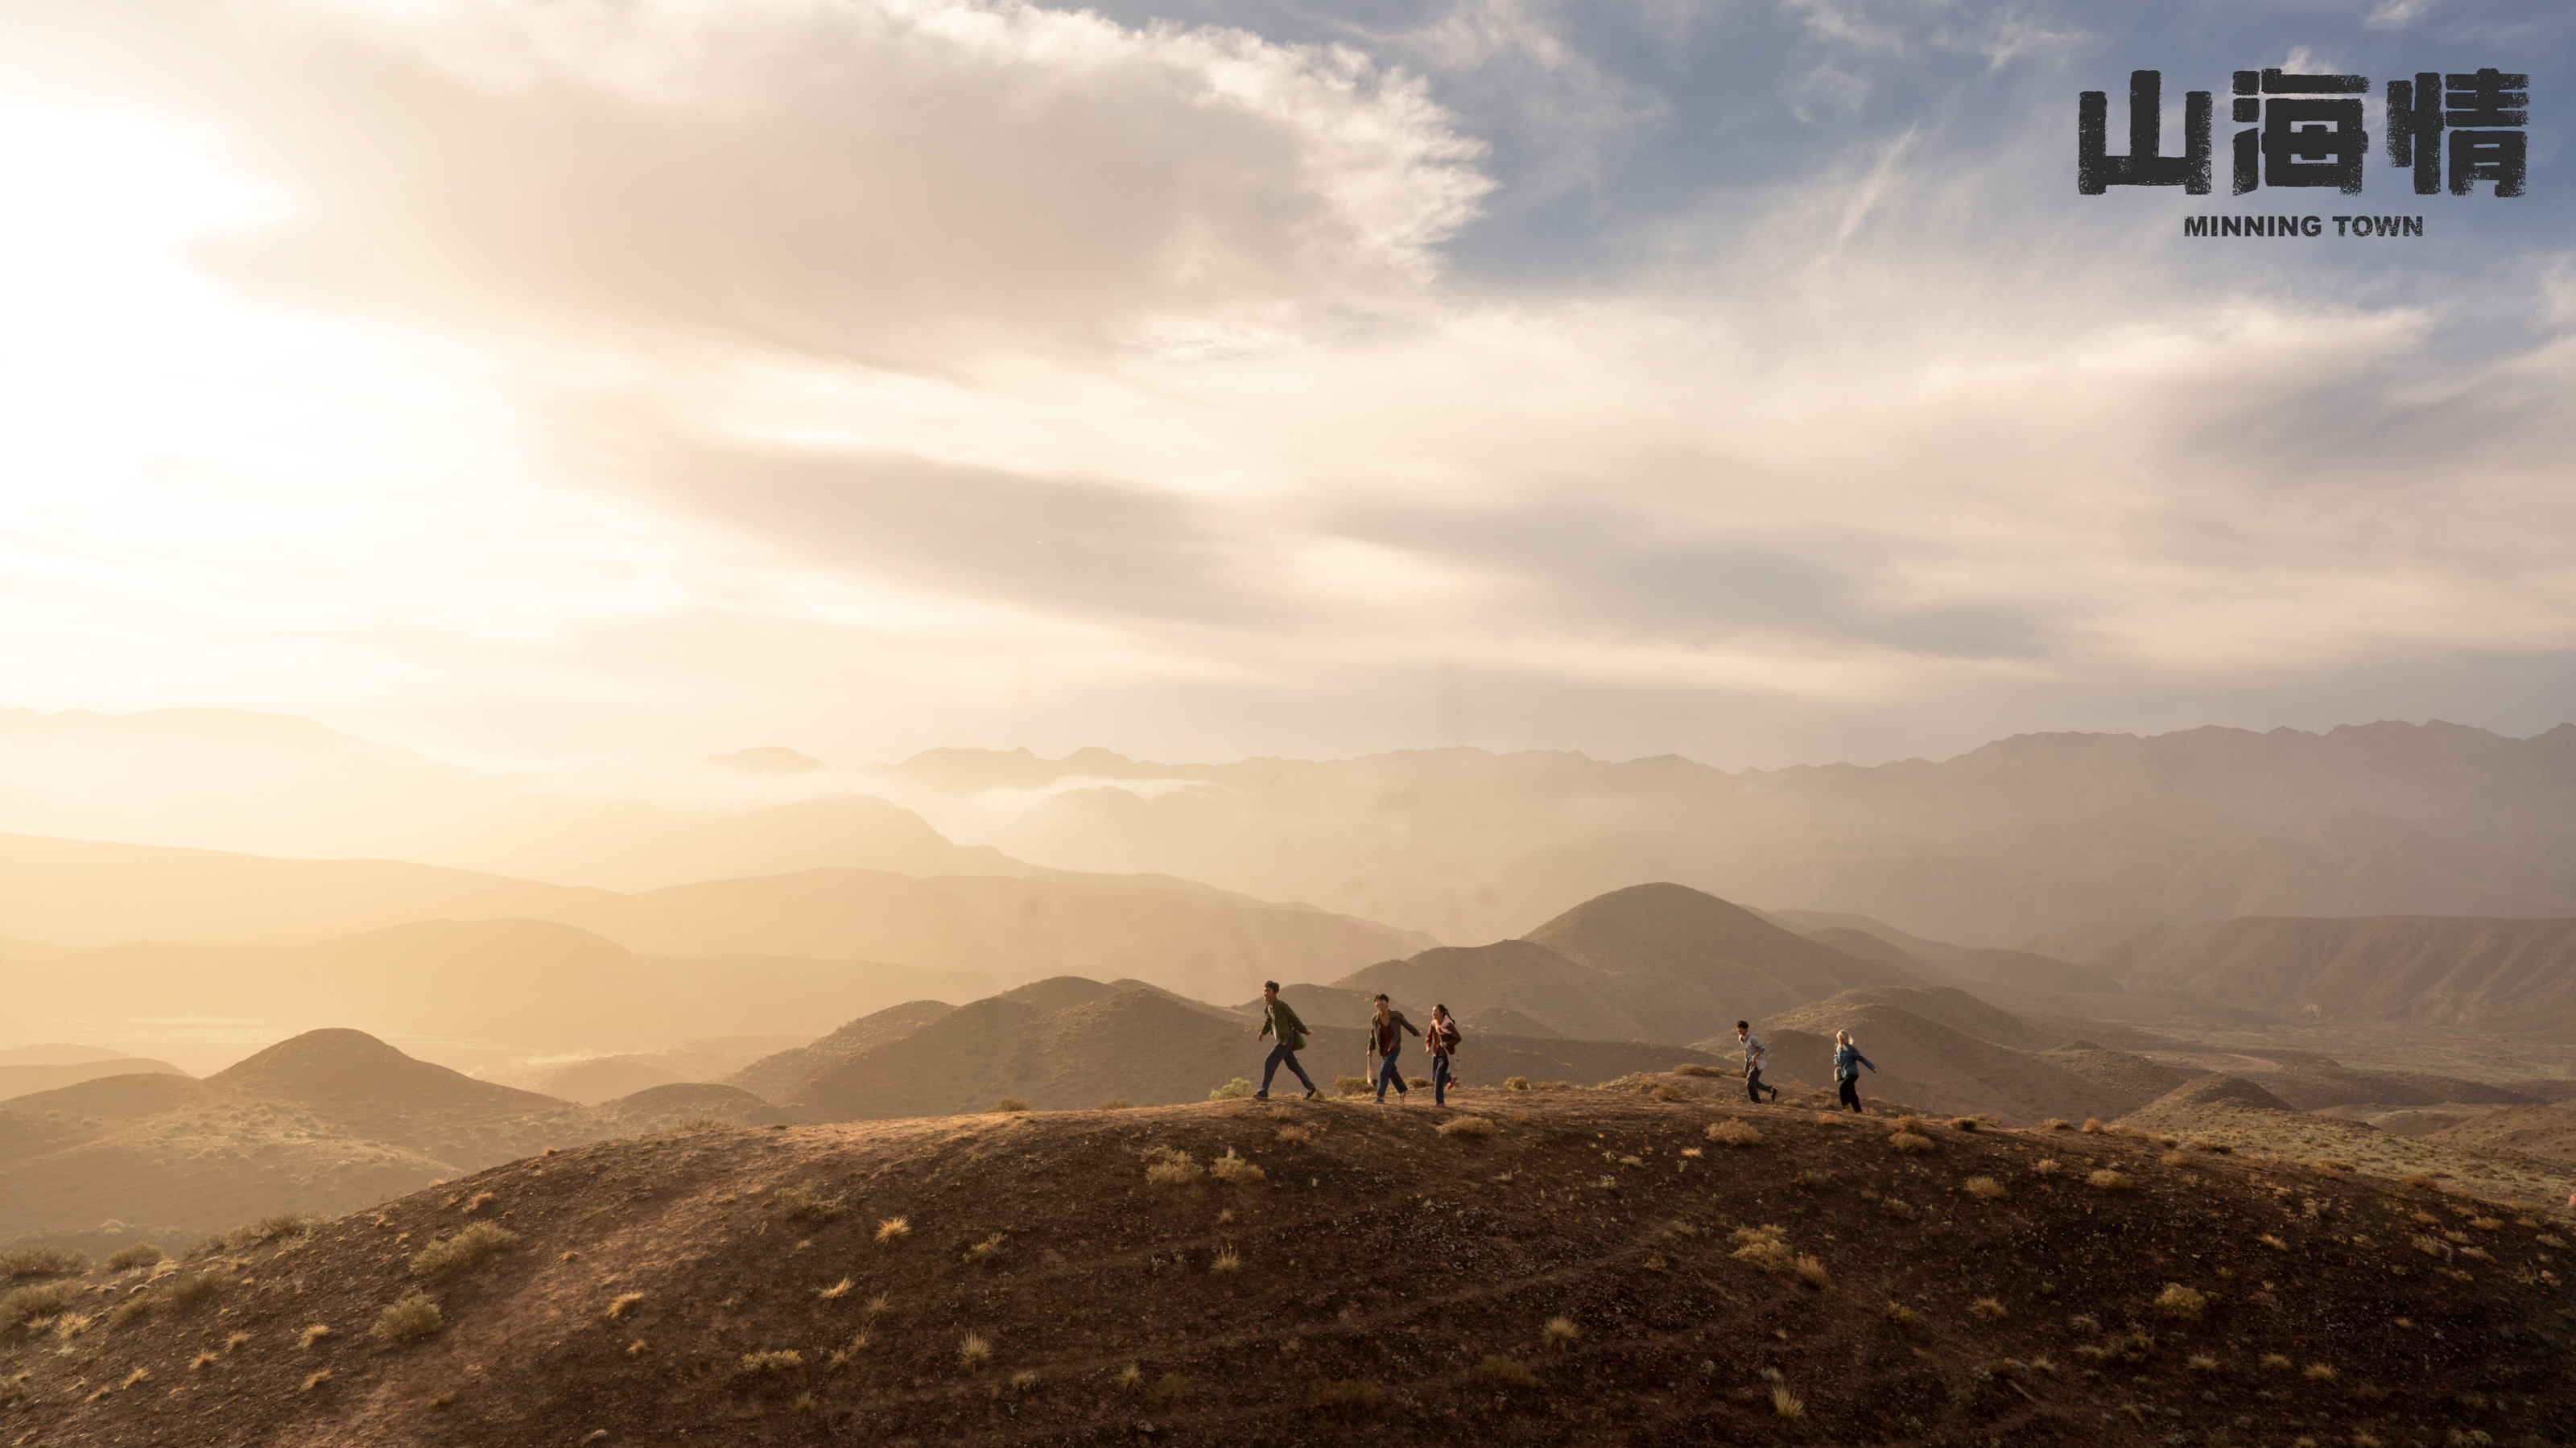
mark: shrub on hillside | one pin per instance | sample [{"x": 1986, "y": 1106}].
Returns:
[
  {"x": 407, "y": 1319},
  {"x": 42, "y": 1262},
  {"x": 1693, "y": 1068},
  {"x": 1114, "y": 1103},
  {"x": 1910, "y": 1141},
  {"x": 1351, "y": 1085},
  {"x": 2109, "y": 1180},
  {"x": 1501, "y": 1372},
  {"x": 1165, "y": 1167},
  {"x": 1734, "y": 1133},
  {"x": 202, "y": 1288},
  {"x": 2180, "y": 1303},
  {"x": 1232, "y": 1168},
  {"x": 1233, "y": 1090},
  {"x": 1516, "y": 1083},
  {"x": 803, "y": 1203},
  {"x": 126, "y": 1259},
  {"x": 1007, "y": 1105},
  {"x": 35, "y": 1303},
  {"x": 464, "y": 1252},
  {"x": 1466, "y": 1126}
]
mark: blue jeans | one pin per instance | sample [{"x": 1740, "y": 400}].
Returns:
[
  {"x": 1439, "y": 1080},
  {"x": 1279, "y": 1053},
  {"x": 1386, "y": 1072}
]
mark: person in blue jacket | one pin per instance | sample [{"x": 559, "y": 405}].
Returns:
[{"x": 1847, "y": 1063}]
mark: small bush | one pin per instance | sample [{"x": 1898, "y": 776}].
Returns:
[
  {"x": 312, "y": 1334},
  {"x": 1910, "y": 1141},
  {"x": 1417, "y": 1081},
  {"x": 2201, "y": 1362},
  {"x": 623, "y": 1304},
  {"x": 1233, "y": 1090},
  {"x": 2093, "y": 1125},
  {"x": 1963, "y": 1123},
  {"x": 1516, "y": 1083},
  {"x": 408, "y": 1319},
  {"x": 1763, "y": 1247},
  {"x": 1786, "y": 1404},
  {"x": 1114, "y": 1103},
  {"x": 894, "y": 1229},
  {"x": 141, "y": 1254},
  {"x": 974, "y": 1350},
  {"x": 1503, "y": 1373},
  {"x": 317, "y": 1381},
  {"x": 2275, "y": 1362},
  {"x": 2319, "y": 1372},
  {"x": 1294, "y": 1136},
  {"x": 1168, "y": 1168},
  {"x": 1232, "y": 1168},
  {"x": 1561, "y": 1332},
  {"x": 808, "y": 1204},
  {"x": 1812, "y": 1272},
  {"x": 2180, "y": 1303},
  {"x": 986, "y": 1252},
  {"x": 1984, "y": 1187},
  {"x": 2109, "y": 1180},
  {"x": 1348, "y": 1395},
  {"x": 1987, "y": 1309},
  {"x": 2055, "y": 1123},
  {"x": 1466, "y": 1126},
  {"x": 1693, "y": 1068},
  {"x": 1168, "y": 1390},
  {"x": 467, "y": 1250},
  {"x": 833, "y": 1293},
  {"x": 2273, "y": 1242},
  {"x": 42, "y": 1262},
  {"x": 1007, "y": 1104},
  {"x": 2044, "y": 1167},
  {"x": 1734, "y": 1133},
  {"x": 1352, "y": 1085},
  {"x": 1130, "y": 1378},
  {"x": 775, "y": 1360},
  {"x": 135, "y": 1309},
  {"x": 476, "y": 1203},
  {"x": 1900, "y": 1314}
]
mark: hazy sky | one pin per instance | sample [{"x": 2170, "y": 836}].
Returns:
[{"x": 1212, "y": 379}]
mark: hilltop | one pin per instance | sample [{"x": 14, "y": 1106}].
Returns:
[{"x": 1592, "y": 1268}]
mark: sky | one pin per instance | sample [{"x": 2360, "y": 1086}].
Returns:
[{"x": 1204, "y": 380}]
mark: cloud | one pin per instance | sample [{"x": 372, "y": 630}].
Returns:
[{"x": 883, "y": 179}]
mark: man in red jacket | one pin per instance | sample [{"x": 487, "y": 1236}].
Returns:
[{"x": 1386, "y": 1038}]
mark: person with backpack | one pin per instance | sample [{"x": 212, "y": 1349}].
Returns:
[
  {"x": 1755, "y": 1053},
  {"x": 1442, "y": 1039},
  {"x": 1847, "y": 1063},
  {"x": 1277, "y": 1019},
  {"x": 1386, "y": 1040}
]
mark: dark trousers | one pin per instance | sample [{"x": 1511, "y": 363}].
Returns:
[
  {"x": 1439, "y": 1080},
  {"x": 1279, "y": 1053},
  {"x": 1753, "y": 1086},
  {"x": 1387, "y": 1072},
  {"x": 1851, "y": 1092}
]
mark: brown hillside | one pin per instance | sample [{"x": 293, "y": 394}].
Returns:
[
  {"x": 603, "y": 1078},
  {"x": 1570, "y": 997},
  {"x": 1504, "y": 1021},
  {"x": 772, "y": 1074},
  {"x": 1145, "y": 1048},
  {"x": 2124, "y": 1073},
  {"x": 27, "y": 1080},
  {"x": 2503, "y": 977},
  {"x": 1947, "y": 1005},
  {"x": 1694, "y": 963},
  {"x": 2546, "y": 1132},
  {"x": 2207, "y": 1103},
  {"x": 673, "y": 1289},
  {"x": 1923, "y": 1063},
  {"x": 1973, "y": 967},
  {"x": 364, "y": 1086}
]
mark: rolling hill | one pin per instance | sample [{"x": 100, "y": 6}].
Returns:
[
  {"x": 27, "y": 1080},
  {"x": 2500, "y": 977},
  {"x": 1924, "y": 1063},
  {"x": 1566, "y": 1277}
]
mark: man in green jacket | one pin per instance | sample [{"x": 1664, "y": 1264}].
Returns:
[{"x": 1278, "y": 1020}]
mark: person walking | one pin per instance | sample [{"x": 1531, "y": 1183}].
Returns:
[
  {"x": 1755, "y": 1053},
  {"x": 1386, "y": 1038},
  {"x": 1277, "y": 1019},
  {"x": 1847, "y": 1063},
  {"x": 1441, "y": 1039}
]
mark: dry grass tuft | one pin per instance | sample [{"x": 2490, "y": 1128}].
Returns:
[
  {"x": 2180, "y": 1303},
  {"x": 1114, "y": 1103},
  {"x": 408, "y": 1319},
  {"x": 2045, "y": 1166},
  {"x": 1294, "y": 1136},
  {"x": 1812, "y": 1272},
  {"x": 1352, "y": 1085},
  {"x": 476, "y": 1203},
  {"x": 986, "y": 1252},
  {"x": 803, "y": 1407},
  {"x": 1227, "y": 1263},
  {"x": 235, "y": 1339},
  {"x": 141, "y": 1254},
  {"x": 2201, "y": 1362},
  {"x": 1466, "y": 1126},
  {"x": 1900, "y": 1315},
  {"x": 198, "y": 1363},
  {"x": 2274, "y": 1361},
  {"x": 145, "y": 1304},
  {"x": 2273, "y": 1242},
  {"x": 1168, "y": 1390},
  {"x": 894, "y": 1229},
  {"x": 773, "y": 1360},
  {"x": 624, "y": 1304},
  {"x": 1166, "y": 1167},
  {"x": 1910, "y": 1141},
  {"x": 2318, "y": 1372},
  {"x": 808, "y": 1204},
  {"x": 879, "y": 1305},
  {"x": 1128, "y": 1379},
  {"x": 1516, "y": 1083},
  {"x": 1987, "y": 1309},
  {"x": 312, "y": 1335},
  {"x": 317, "y": 1380},
  {"x": 2056, "y": 1123},
  {"x": 1763, "y": 1247},
  {"x": 1234, "y": 1090},
  {"x": 2093, "y": 1125},
  {"x": 1786, "y": 1404},
  {"x": 833, "y": 1293},
  {"x": 2177, "y": 1158},
  {"x": 1984, "y": 1187},
  {"x": 1734, "y": 1133},
  {"x": 42, "y": 1262},
  {"x": 974, "y": 1350},
  {"x": 1234, "y": 1169},
  {"x": 2109, "y": 1180},
  {"x": 1007, "y": 1104},
  {"x": 1503, "y": 1373},
  {"x": 1963, "y": 1123},
  {"x": 1561, "y": 1332},
  {"x": 1667, "y": 1091},
  {"x": 467, "y": 1250},
  {"x": 1693, "y": 1068},
  {"x": 635, "y": 1348}
]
